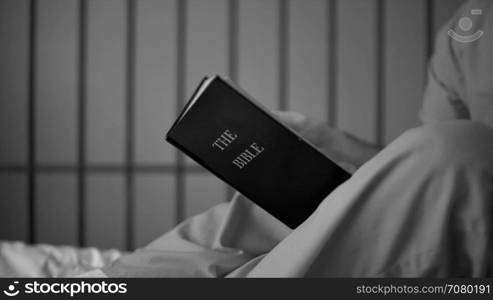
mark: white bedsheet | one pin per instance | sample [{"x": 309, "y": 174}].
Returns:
[
  {"x": 20, "y": 260},
  {"x": 421, "y": 208}
]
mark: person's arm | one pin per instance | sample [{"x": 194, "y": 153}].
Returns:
[
  {"x": 347, "y": 150},
  {"x": 445, "y": 94}
]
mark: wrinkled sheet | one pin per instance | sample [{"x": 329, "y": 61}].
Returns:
[
  {"x": 421, "y": 207},
  {"x": 20, "y": 260}
]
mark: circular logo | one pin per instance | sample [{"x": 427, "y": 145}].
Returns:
[{"x": 11, "y": 291}]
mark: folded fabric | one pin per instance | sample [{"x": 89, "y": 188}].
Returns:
[{"x": 20, "y": 260}]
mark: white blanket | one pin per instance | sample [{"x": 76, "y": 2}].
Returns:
[
  {"x": 422, "y": 207},
  {"x": 20, "y": 260}
]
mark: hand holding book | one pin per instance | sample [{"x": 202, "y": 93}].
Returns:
[
  {"x": 232, "y": 135},
  {"x": 347, "y": 150}
]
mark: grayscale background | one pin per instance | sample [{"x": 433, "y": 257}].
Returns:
[{"x": 89, "y": 88}]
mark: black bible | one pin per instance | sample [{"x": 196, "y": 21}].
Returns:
[{"x": 236, "y": 138}]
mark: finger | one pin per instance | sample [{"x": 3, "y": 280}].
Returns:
[{"x": 294, "y": 120}]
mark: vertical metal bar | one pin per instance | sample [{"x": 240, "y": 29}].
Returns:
[
  {"x": 233, "y": 40},
  {"x": 380, "y": 76},
  {"x": 233, "y": 55},
  {"x": 130, "y": 122},
  {"x": 181, "y": 44},
  {"x": 82, "y": 99},
  {"x": 283, "y": 53},
  {"x": 332, "y": 70},
  {"x": 31, "y": 138},
  {"x": 430, "y": 27}
]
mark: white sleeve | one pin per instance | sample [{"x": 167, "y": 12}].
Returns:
[
  {"x": 441, "y": 103},
  {"x": 445, "y": 93}
]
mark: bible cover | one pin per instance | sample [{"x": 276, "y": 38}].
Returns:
[{"x": 234, "y": 137}]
